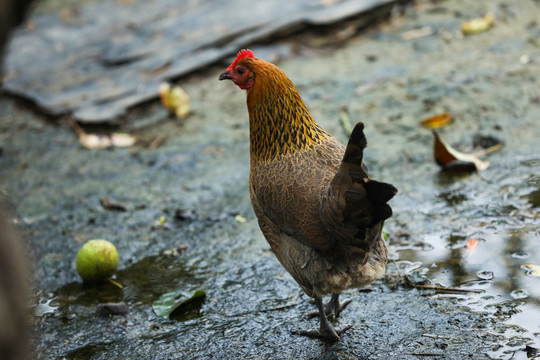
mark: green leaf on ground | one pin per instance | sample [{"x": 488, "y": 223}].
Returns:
[{"x": 171, "y": 301}]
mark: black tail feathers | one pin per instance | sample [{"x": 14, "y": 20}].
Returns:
[
  {"x": 356, "y": 145},
  {"x": 379, "y": 194}
]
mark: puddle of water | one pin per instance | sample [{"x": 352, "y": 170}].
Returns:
[
  {"x": 44, "y": 307},
  {"x": 143, "y": 282},
  {"x": 494, "y": 266},
  {"x": 482, "y": 239}
]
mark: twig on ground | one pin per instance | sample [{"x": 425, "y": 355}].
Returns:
[
  {"x": 426, "y": 354},
  {"x": 441, "y": 288},
  {"x": 282, "y": 307},
  {"x": 434, "y": 336}
]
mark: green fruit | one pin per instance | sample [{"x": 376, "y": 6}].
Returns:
[{"x": 96, "y": 260}]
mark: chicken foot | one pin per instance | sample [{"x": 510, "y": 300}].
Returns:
[{"x": 325, "y": 331}]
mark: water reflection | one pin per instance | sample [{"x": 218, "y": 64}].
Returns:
[
  {"x": 143, "y": 282},
  {"x": 479, "y": 233}
]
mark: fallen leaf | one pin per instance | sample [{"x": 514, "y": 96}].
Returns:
[
  {"x": 171, "y": 301},
  {"x": 532, "y": 270},
  {"x": 476, "y": 26},
  {"x": 122, "y": 140},
  {"x": 95, "y": 141},
  {"x": 176, "y": 251},
  {"x": 175, "y": 99},
  {"x": 471, "y": 243},
  {"x": 240, "y": 218},
  {"x": 161, "y": 221},
  {"x": 451, "y": 159},
  {"x": 531, "y": 351},
  {"x": 437, "y": 121},
  {"x": 111, "y": 204}
]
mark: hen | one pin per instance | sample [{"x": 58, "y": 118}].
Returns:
[{"x": 316, "y": 205}]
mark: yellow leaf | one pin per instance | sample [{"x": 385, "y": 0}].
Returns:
[
  {"x": 175, "y": 99},
  {"x": 532, "y": 270},
  {"x": 437, "y": 121},
  {"x": 164, "y": 90},
  {"x": 162, "y": 220},
  {"x": 240, "y": 218},
  {"x": 476, "y": 26}
]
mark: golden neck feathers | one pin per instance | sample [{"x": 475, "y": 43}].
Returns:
[{"x": 280, "y": 123}]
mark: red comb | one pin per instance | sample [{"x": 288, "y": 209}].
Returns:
[{"x": 242, "y": 54}]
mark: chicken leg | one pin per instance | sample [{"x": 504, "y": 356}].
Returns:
[
  {"x": 332, "y": 308},
  {"x": 325, "y": 331}
]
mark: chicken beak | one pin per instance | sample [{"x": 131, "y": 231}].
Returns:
[{"x": 225, "y": 76}]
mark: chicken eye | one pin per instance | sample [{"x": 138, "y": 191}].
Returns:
[{"x": 241, "y": 71}]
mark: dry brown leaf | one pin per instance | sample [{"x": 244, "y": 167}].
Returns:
[
  {"x": 437, "y": 121},
  {"x": 451, "y": 159},
  {"x": 111, "y": 204}
]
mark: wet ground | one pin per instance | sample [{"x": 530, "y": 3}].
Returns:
[{"x": 489, "y": 82}]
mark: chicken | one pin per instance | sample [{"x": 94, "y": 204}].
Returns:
[{"x": 315, "y": 203}]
